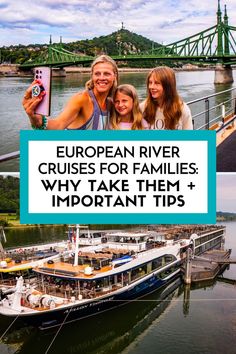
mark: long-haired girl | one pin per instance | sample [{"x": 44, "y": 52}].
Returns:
[{"x": 163, "y": 107}]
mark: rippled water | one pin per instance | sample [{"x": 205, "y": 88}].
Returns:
[
  {"x": 193, "y": 321},
  {"x": 191, "y": 85}
]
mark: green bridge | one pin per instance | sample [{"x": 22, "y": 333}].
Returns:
[{"x": 214, "y": 45}]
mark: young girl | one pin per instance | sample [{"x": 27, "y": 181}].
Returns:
[
  {"x": 163, "y": 108},
  {"x": 126, "y": 114}
]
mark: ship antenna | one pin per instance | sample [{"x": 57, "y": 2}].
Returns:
[{"x": 76, "y": 246}]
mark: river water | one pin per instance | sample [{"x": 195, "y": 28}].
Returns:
[
  {"x": 193, "y": 321},
  {"x": 191, "y": 85}
]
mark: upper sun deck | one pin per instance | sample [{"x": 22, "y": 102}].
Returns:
[
  {"x": 103, "y": 260},
  {"x": 68, "y": 270},
  {"x": 136, "y": 237},
  {"x": 135, "y": 241}
]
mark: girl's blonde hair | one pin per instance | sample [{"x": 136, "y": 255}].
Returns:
[
  {"x": 136, "y": 114},
  {"x": 171, "y": 102},
  {"x": 104, "y": 59}
]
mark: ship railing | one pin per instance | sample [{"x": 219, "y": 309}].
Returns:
[
  {"x": 212, "y": 111},
  {"x": 68, "y": 292},
  {"x": 93, "y": 293},
  {"x": 8, "y": 282},
  {"x": 11, "y": 281},
  {"x": 9, "y": 156}
]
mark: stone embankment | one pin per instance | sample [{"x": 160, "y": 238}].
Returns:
[
  {"x": 13, "y": 70},
  {"x": 74, "y": 69},
  {"x": 7, "y": 69}
]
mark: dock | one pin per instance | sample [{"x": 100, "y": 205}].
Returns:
[{"x": 209, "y": 265}]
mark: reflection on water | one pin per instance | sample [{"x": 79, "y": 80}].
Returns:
[
  {"x": 191, "y": 85},
  {"x": 23, "y": 236}
]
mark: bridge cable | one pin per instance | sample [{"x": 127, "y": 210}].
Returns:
[
  {"x": 48, "y": 348},
  {"x": 9, "y": 327}
]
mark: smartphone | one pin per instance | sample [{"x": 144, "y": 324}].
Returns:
[{"x": 44, "y": 74}]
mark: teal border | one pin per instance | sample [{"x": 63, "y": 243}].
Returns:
[{"x": 118, "y": 218}]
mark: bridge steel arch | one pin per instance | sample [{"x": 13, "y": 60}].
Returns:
[{"x": 216, "y": 44}]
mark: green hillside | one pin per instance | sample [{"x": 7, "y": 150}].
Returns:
[{"x": 121, "y": 42}]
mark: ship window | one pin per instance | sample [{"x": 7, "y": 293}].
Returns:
[
  {"x": 118, "y": 265},
  {"x": 169, "y": 258},
  {"x": 139, "y": 272},
  {"x": 101, "y": 283},
  {"x": 156, "y": 263},
  {"x": 111, "y": 279},
  {"x": 166, "y": 273}
]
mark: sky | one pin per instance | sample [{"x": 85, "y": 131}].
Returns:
[
  {"x": 163, "y": 21},
  {"x": 226, "y": 192}
]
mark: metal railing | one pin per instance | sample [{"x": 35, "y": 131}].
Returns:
[
  {"x": 212, "y": 115},
  {"x": 9, "y": 156},
  {"x": 213, "y": 109}
]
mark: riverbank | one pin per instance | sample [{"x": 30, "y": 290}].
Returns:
[
  {"x": 13, "y": 221},
  {"x": 30, "y": 226},
  {"x": 12, "y": 70},
  {"x": 134, "y": 70}
]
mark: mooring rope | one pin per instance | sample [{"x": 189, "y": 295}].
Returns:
[
  {"x": 9, "y": 327},
  {"x": 57, "y": 332}
]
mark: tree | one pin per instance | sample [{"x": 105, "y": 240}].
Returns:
[{"x": 9, "y": 194}]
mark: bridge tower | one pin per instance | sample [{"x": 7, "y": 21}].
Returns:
[
  {"x": 219, "y": 28},
  {"x": 56, "y": 72},
  {"x": 50, "y": 54},
  {"x": 226, "y": 35},
  {"x": 223, "y": 73}
]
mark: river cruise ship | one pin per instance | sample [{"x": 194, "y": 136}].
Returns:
[{"x": 96, "y": 278}]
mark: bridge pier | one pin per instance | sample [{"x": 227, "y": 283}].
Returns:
[
  {"x": 56, "y": 72},
  {"x": 223, "y": 74}
]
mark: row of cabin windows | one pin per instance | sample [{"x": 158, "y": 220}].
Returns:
[
  {"x": 207, "y": 238},
  {"x": 136, "y": 273},
  {"x": 151, "y": 266},
  {"x": 207, "y": 246}
]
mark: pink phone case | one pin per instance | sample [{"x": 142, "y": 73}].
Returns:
[{"x": 44, "y": 74}]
